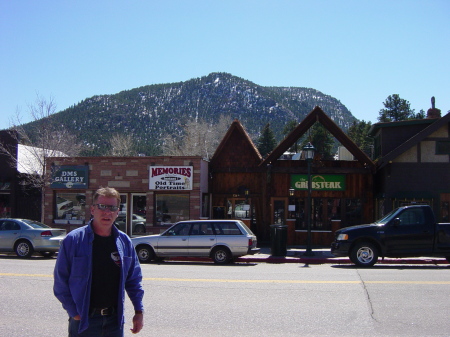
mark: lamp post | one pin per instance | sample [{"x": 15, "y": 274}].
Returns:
[
  {"x": 309, "y": 150},
  {"x": 247, "y": 206},
  {"x": 291, "y": 202}
]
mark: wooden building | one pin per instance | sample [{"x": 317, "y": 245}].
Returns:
[
  {"x": 413, "y": 164},
  {"x": 244, "y": 185}
]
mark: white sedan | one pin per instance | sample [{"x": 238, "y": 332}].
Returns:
[{"x": 221, "y": 240}]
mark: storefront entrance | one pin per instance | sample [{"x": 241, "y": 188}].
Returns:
[
  {"x": 238, "y": 208},
  {"x": 132, "y": 216}
]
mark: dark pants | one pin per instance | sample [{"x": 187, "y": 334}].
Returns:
[{"x": 99, "y": 326}]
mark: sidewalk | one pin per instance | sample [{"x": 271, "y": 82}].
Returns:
[{"x": 323, "y": 255}]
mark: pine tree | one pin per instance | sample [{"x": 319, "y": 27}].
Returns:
[
  {"x": 358, "y": 132},
  {"x": 267, "y": 142},
  {"x": 322, "y": 141},
  {"x": 395, "y": 109}
]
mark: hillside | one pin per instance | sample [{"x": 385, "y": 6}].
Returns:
[{"x": 151, "y": 112}]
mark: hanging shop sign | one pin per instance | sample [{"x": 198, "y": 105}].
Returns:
[
  {"x": 320, "y": 182},
  {"x": 70, "y": 176},
  {"x": 171, "y": 177}
]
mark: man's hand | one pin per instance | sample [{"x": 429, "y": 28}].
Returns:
[
  {"x": 77, "y": 318},
  {"x": 138, "y": 323}
]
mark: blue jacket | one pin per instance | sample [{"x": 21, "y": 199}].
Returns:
[{"x": 73, "y": 273}]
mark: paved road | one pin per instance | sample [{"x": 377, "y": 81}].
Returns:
[{"x": 248, "y": 299}]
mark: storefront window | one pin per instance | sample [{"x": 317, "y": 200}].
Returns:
[
  {"x": 71, "y": 207},
  {"x": 171, "y": 208},
  {"x": 5, "y": 209},
  {"x": 205, "y": 205},
  {"x": 334, "y": 209},
  {"x": 317, "y": 214},
  {"x": 353, "y": 212},
  {"x": 408, "y": 202}
]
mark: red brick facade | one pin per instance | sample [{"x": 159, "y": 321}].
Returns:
[{"x": 130, "y": 176}]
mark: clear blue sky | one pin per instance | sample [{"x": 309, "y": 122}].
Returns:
[{"x": 359, "y": 52}]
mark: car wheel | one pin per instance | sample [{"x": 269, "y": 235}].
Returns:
[
  {"x": 24, "y": 249},
  {"x": 139, "y": 229},
  {"x": 47, "y": 254},
  {"x": 364, "y": 254},
  {"x": 221, "y": 255},
  {"x": 145, "y": 253}
]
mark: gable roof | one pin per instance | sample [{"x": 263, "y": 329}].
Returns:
[
  {"x": 317, "y": 115},
  {"x": 383, "y": 161},
  {"x": 226, "y": 152}
]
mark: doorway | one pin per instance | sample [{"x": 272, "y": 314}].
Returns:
[{"x": 239, "y": 208}]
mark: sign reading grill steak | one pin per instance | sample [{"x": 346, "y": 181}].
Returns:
[
  {"x": 170, "y": 178},
  {"x": 324, "y": 182}
]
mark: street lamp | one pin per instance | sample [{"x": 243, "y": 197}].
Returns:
[
  {"x": 291, "y": 192},
  {"x": 247, "y": 206},
  {"x": 309, "y": 150}
]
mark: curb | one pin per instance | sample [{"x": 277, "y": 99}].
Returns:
[
  {"x": 326, "y": 260},
  {"x": 316, "y": 260}
]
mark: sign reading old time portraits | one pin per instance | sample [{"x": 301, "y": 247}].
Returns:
[{"x": 171, "y": 177}]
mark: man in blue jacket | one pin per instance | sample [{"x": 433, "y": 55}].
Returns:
[{"x": 95, "y": 265}]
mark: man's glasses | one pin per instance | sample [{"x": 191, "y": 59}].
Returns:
[{"x": 104, "y": 207}]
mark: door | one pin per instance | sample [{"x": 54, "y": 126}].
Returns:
[
  {"x": 174, "y": 242},
  {"x": 9, "y": 231},
  {"x": 279, "y": 211},
  {"x": 201, "y": 239},
  {"x": 413, "y": 236},
  {"x": 138, "y": 214}
]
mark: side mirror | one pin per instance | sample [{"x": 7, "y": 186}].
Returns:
[{"x": 396, "y": 222}]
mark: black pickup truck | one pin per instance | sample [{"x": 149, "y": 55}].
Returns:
[{"x": 408, "y": 231}]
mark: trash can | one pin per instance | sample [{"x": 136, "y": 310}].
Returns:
[{"x": 278, "y": 240}]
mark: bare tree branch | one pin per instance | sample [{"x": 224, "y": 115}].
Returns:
[
  {"x": 199, "y": 138},
  {"x": 122, "y": 146},
  {"x": 37, "y": 141}
]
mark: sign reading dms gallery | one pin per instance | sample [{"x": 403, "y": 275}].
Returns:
[
  {"x": 171, "y": 177},
  {"x": 70, "y": 176}
]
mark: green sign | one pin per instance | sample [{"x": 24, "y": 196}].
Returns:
[
  {"x": 70, "y": 177},
  {"x": 320, "y": 182}
]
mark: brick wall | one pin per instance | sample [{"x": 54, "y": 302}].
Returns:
[{"x": 128, "y": 175}]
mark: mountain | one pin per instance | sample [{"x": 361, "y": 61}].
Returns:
[{"x": 151, "y": 112}]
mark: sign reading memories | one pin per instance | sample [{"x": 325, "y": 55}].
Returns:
[{"x": 171, "y": 177}]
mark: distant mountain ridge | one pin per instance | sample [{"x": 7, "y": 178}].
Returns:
[{"x": 151, "y": 112}]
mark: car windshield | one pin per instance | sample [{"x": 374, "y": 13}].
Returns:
[
  {"x": 386, "y": 218},
  {"x": 35, "y": 224}
]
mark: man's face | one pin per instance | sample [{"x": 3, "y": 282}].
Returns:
[{"x": 104, "y": 218}]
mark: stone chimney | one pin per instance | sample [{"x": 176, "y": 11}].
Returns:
[{"x": 433, "y": 112}]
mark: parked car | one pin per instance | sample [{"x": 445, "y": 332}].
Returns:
[
  {"x": 407, "y": 231},
  {"x": 137, "y": 221},
  {"x": 221, "y": 240},
  {"x": 24, "y": 237}
]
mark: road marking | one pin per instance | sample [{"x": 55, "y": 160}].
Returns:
[
  {"x": 291, "y": 281},
  {"x": 26, "y": 275},
  {"x": 166, "y": 279}
]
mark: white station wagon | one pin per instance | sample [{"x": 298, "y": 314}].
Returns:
[{"x": 221, "y": 240}]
